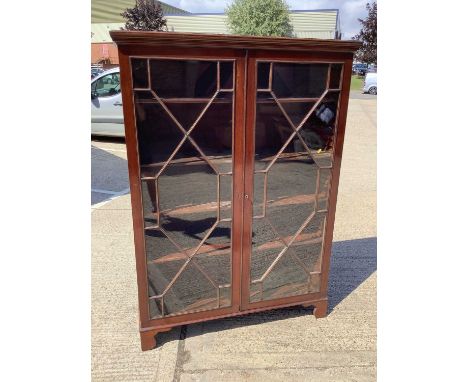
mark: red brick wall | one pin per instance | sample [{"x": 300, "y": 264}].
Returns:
[{"x": 104, "y": 51}]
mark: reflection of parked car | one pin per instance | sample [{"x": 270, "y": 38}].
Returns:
[
  {"x": 106, "y": 104},
  {"x": 370, "y": 83}
]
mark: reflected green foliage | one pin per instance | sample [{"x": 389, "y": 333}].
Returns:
[{"x": 259, "y": 18}]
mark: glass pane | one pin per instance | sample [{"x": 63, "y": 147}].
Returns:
[
  {"x": 272, "y": 131},
  {"x": 266, "y": 246},
  {"x": 188, "y": 201},
  {"x": 263, "y": 75},
  {"x": 150, "y": 203},
  {"x": 335, "y": 76},
  {"x": 299, "y": 80},
  {"x": 158, "y": 135},
  {"x": 319, "y": 130},
  {"x": 297, "y": 111},
  {"x": 324, "y": 189},
  {"x": 314, "y": 283},
  {"x": 215, "y": 254},
  {"x": 291, "y": 191},
  {"x": 185, "y": 149},
  {"x": 183, "y": 79},
  {"x": 255, "y": 292},
  {"x": 225, "y": 196},
  {"x": 191, "y": 291},
  {"x": 294, "y": 137},
  {"x": 155, "y": 308},
  {"x": 226, "y": 75},
  {"x": 186, "y": 113},
  {"x": 225, "y": 293},
  {"x": 308, "y": 245},
  {"x": 140, "y": 73},
  {"x": 259, "y": 194},
  {"x": 286, "y": 278}
]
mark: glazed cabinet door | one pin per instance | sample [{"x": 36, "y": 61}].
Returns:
[
  {"x": 291, "y": 133},
  {"x": 184, "y": 111}
]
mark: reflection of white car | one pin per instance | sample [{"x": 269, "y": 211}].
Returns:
[
  {"x": 106, "y": 104},
  {"x": 370, "y": 83}
]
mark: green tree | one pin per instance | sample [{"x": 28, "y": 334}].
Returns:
[
  {"x": 368, "y": 36},
  {"x": 259, "y": 18},
  {"x": 146, "y": 15}
]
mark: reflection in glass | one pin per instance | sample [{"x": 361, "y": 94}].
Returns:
[
  {"x": 335, "y": 76},
  {"x": 263, "y": 75},
  {"x": 184, "y": 127},
  {"x": 183, "y": 79},
  {"x": 259, "y": 194},
  {"x": 318, "y": 131},
  {"x": 226, "y": 74},
  {"x": 140, "y": 73},
  {"x": 287, "y": 278},
  {"x": 299, "y": 80},
  {"x": 225, "y": 196},
  {"x": 294, "y": 138}
]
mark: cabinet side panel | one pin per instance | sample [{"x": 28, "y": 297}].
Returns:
[
  {"x": 338, "y": 154},
  {"x": 131, "y": 141}
]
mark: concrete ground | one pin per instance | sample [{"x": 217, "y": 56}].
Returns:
[
  {"x": 357, "y": 94},
  {"x": 280, "y": 345}
]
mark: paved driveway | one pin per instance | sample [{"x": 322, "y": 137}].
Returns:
[{"x": 280, "y": 345}]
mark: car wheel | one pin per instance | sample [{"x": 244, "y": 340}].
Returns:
[{"x": 373, "y": 90}]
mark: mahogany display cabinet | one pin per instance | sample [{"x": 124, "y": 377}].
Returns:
[{"x": 234, "y": 146}]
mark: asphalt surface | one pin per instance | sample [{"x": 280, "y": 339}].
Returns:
[
  {"x": 109, "y": 173},
  {"x": 280, "y": 345}
]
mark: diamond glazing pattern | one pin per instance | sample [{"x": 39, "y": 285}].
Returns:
[
  {"x": 184, "y": 121},
  {"x": 297, "y": 108}
]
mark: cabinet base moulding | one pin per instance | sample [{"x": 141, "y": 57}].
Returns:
[
  {"x": 148, "y": 338},
  {"x": 148, "y": 335},
  {"x": 319, "y": 308}
]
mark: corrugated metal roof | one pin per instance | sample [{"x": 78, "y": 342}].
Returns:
[
  {"x": 100, "y": 31},
  {"x": 306, "y": 24},
  {"x": 108, "y": 11},
  {"x": 318, "y": 24}
]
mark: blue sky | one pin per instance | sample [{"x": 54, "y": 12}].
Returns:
[{"x": 350, "y": 10}]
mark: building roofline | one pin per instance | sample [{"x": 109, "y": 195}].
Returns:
[
  {"x": 177, "y": 14},
  {"x": 290, "y": 11},
  {"x": 338, "y": 24},
  {"x": 315, "y": 10}
]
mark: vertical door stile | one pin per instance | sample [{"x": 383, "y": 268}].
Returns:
[
  {"x": 238, "y": 178},
  {"x": 250, "y": 97}
]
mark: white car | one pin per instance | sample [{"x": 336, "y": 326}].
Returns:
[
  {"x": 370, "y": 83},
  {"x": 106, "y": 104}
]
